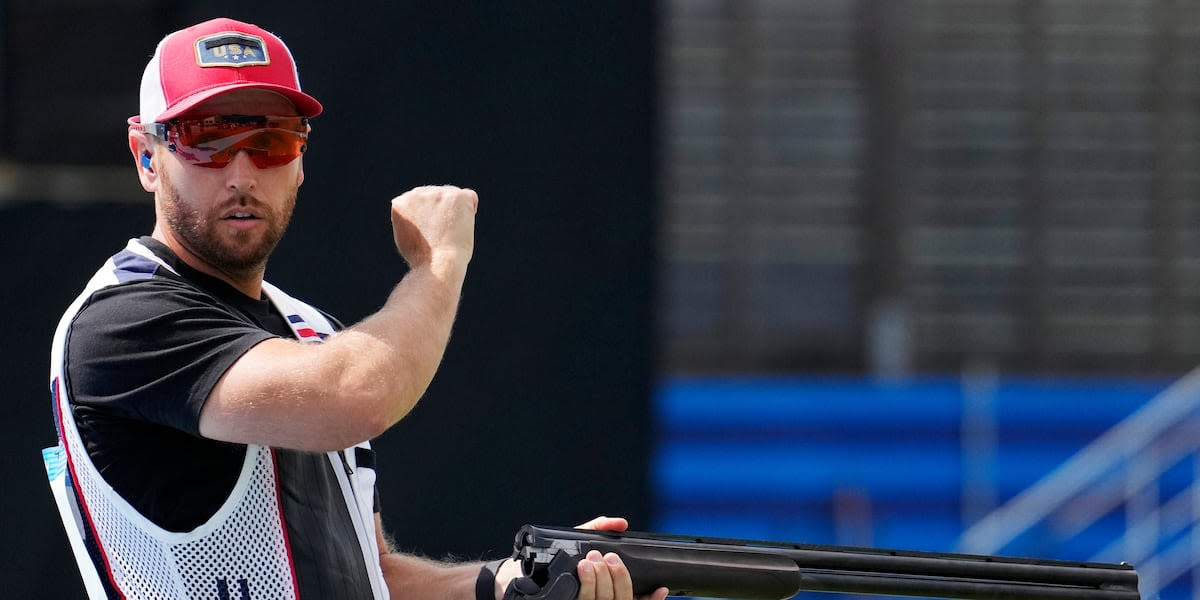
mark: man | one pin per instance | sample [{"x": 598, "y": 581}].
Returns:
[{"x": 212, "y": 428}]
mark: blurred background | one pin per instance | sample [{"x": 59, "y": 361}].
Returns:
[{"x": 904, "y": 273}]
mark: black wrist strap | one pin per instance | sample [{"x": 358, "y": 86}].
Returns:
[{"x": 485, "y": 584}]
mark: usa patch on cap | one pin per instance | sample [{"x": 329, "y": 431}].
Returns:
[{"x": 231, "y": 49}]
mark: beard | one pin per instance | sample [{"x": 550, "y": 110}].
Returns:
[{"x": 236, "y": 253}]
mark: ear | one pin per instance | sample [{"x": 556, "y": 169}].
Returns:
[
  {"x": 143, "y": 157},
  {"x": 300, "y": 172}
]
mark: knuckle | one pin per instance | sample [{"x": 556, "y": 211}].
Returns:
[
  {"x": 615, "y": 566},
  {"x": 587, "y": 572}
]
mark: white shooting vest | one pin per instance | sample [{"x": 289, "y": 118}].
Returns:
[{"x": 241, "y": 550}]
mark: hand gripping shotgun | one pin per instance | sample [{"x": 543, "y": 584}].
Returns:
[{"x": 752, "y": 570}]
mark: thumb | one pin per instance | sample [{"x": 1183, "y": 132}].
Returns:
[{"x": 606, "y": 524}]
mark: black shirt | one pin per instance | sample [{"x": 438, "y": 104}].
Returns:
[
  {"x": 141, "y": 358},
  {"x": 150, "y": 351}
]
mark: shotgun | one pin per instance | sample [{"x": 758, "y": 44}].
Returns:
[{"x": 756, "y": 570}]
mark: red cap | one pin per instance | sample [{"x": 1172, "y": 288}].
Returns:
[{"x": 214, "y": 57}]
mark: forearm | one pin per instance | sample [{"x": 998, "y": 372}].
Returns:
[
  {"x": 385, "y": 363},
  {"x": 389, "y": 359},
  {"x": 414, "y": 578}
]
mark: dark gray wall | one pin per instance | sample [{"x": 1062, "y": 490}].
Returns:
[{"x": 539, "y": 413}]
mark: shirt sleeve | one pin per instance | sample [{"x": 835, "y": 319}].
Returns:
[{"x": 152, "y": 350}]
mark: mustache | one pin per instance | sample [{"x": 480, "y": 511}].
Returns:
[{"x": 244, "y": 201}]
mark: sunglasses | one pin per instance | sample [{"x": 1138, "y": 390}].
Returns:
[{"x": 214, "y": 142}]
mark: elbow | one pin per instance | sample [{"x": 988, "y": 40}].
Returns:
[
  {"x": 376, "y": 403},
  {"x": 351, "y": 424},
  {"x": 369, "y": 390},
  {"x": 374, "y": 423}
]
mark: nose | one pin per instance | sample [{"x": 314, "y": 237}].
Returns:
[{"x": 240, "y": 174}]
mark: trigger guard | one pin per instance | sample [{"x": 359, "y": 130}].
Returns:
[{"x": 562, "y": 585}]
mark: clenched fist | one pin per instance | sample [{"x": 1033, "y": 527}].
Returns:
[{"x": 435, "y": 225}]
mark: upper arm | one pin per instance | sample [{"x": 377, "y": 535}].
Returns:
[
  {"x": 160, "y": 351},
  {"x": 150, "y": 351},
  {"x": 232, "y": 381},
  {"x": 287, "y": 394}
]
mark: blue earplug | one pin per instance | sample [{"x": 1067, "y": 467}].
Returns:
[{"x": 146, "y": 161}]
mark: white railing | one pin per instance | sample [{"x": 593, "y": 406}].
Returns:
[{"x": 1121, "y": 468}]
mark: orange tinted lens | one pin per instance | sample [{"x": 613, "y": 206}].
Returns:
[
  {"x": 215, "y": 141},
  {"x": 267, "y": 148}
]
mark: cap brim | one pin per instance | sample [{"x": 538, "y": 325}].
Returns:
[{"x": 306, "y": 106}]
